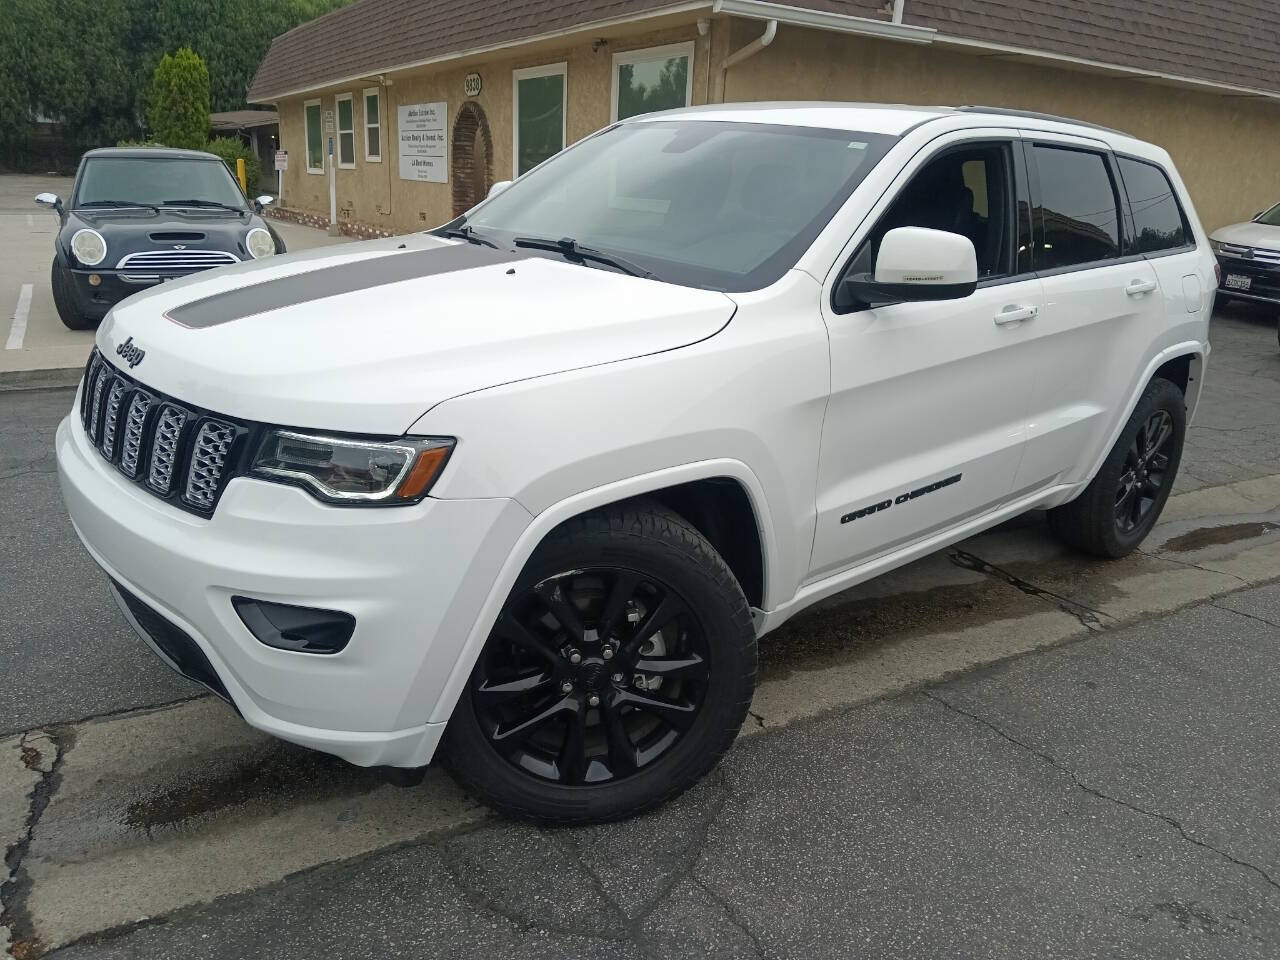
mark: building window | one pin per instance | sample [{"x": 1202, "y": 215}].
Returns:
[
  {"x": 538, "y": 114},
  {"x": 346, "y": 131},
  {"x": 372, "y": 126},
  {"x": 315, "y": 137},
  {"x": 659, "y": 78}
]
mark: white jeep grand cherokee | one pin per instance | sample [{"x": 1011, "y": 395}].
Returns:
[{"x": 529, "y": 487}]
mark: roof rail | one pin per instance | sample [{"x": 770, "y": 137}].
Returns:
[{"x": 1033, "y": 115}]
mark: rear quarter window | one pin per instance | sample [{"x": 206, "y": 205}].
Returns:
[{"x": 1158, "y": 220}]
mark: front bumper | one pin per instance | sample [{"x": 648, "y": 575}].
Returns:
[
  {"x": 414, "y": 578},
  {"x": 1264, "y": 279}
]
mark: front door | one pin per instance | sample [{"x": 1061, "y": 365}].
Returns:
[{"x": 927, "y": 417}]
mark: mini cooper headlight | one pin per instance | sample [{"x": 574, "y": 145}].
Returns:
[
  {"x": 338, "y": 470},
  {"x": 89, "y": 247},
  {"x": 259, "y": 243}
]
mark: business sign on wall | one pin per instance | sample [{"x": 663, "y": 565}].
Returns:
[{"x": 424, "y": 142}]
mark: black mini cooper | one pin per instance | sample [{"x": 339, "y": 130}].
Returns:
[{"x": 140, "y": 216}]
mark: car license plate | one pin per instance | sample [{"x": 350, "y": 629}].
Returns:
[{"x": 1235, "y": 281}]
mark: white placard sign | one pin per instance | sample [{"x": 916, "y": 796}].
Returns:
[{"x": 424, "y": 144}]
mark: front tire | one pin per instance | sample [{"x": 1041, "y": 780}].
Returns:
[
  {"x": 65, "y": 302},
  {"x": 620, "y": 670},
  {"x": 1123, "y": 502}
]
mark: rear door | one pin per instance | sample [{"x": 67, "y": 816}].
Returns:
[
  {"x": 1103, "y": 305},
  {"x": 927, "y": 416}
]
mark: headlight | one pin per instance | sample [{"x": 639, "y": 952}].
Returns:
[
  {"x": 353, "y": 471},
  {"x": 259, "y": 243},
  {"x": 89, "y": 247}
]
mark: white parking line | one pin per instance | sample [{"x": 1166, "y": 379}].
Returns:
[
  {"x": 19, "y": 328},
  {"x": 30, "y": 221}
]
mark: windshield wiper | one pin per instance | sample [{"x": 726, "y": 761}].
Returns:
[
  {"x": 203, "y": 203},
  {"x": 468, "y": 234},
  {"x": 118, "y": 203},
  {"x": 574, "y": 251}
]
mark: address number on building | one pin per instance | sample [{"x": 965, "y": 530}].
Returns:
[{"x": 472, "y": 84}]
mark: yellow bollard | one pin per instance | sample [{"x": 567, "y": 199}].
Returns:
[{"x": 244, "y": 186}]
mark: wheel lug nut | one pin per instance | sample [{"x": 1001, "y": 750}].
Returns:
[
  {"x": 617, "y": 678},
  {"x": 593, "y": 701},
  {"x": 566, "y": 687},
  {"x": 607, "y": 653},
  {"x": 575, "y": 657}
]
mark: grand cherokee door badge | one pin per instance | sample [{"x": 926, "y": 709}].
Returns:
[{"x": 900, "y": 498}]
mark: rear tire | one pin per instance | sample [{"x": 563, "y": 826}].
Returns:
[
  {"x": 1117, "y": 510},
  {"x": 65, "y": 301},
  {"x": 561, "y": 720}
]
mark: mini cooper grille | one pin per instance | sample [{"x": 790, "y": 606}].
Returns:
[
  {"x": 208, "y": 460},
  {"x": 176, "y": 261},
  {"x": 175, "y": 451}
]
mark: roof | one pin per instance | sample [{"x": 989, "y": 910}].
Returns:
[
  {"x": 150, "y": 153},
  {"x": 1224, "y": 42},
  {"x": 243, "y": 119}
]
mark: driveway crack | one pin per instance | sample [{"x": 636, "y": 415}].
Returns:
[
  {"x": 14, "y": 890},
  {"x": 1095, "y": 792},
  {"x": 1089, "y": 618}
]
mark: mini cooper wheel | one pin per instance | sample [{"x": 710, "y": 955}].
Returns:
[
  {"x": 619, "y": 671},
  {"x": 1118, "y": 509},
  {"x": 65, "y": 302}
]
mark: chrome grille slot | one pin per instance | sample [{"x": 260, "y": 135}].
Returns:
[
  {"x": 95, "y": 411},
  {"x": 131, "y": 445},
  {"x": 90, "y": 374},
  {"x": 175, "y": 261},
  {"x": 111, "y": 421},
  {"x": 1256, "y": 254},
  {"x": 208, "y": 460},
  {"x": 164, "y": 448}
]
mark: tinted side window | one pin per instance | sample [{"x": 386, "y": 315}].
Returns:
[
  {"x": 966, "y": 191},
  {"x": 1078, "y": 215},
  {"x": 1157, "y": 217}
]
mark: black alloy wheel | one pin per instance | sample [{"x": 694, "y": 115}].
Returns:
[
  {"x": 1116, "y": 511},
  {"x": 591, "y": 675},
  {"x": 1146, "y": 469},
  {"x": 619, "y": 670}
]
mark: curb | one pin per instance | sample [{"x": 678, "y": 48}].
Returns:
[{"x": 13, "y": 380}]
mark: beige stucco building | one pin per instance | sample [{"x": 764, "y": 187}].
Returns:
[{"x": 426, "y": 103}]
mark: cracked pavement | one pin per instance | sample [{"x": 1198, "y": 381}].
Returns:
[{"x": 1003, "y": 750}]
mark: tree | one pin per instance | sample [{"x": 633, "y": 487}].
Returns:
[{"x": 178, "y": 111}]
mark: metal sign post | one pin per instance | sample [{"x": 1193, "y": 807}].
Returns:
[{"x": 334, "y": 230}]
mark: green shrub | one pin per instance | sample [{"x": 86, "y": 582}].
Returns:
[
  {"x": 228, "y": 149},
  {"x": 178, "y": 108}
]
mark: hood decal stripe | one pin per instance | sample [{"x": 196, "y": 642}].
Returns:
[{"x": 328, "y": 282}]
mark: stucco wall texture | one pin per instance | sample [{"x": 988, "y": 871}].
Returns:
[{"x": 1221, "y": 144}]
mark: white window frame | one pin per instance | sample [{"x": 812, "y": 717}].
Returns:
[
  {"x": 306, "y": 137},
  {"x": 664, "y": 52},
  {"x": 375, "y": 92},
  {"x": 338, "y": 131},
  {"x": 533, "y": 73}
]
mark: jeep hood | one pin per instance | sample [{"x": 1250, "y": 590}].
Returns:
[{"x": 366, "y": 337}]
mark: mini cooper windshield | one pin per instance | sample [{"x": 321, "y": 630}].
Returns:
[
  {"x": 157, "y": 181},
  {"x": 725, "y": 206}
]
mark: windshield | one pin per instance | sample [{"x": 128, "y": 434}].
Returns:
[
  {"x": 725, "y": 206},
  {"x": 1271, "y": 218},
  {"x": 156, "y": 180}
]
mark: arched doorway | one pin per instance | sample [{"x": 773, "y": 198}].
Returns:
[{"x": 472, "y": 171}]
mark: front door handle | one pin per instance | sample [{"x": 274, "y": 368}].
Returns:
[
  {"x": 1137, "y": 288},
  {"x": 1016, "y": 314}
]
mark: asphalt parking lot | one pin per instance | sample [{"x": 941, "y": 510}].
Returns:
[
  {"x": 1003, "y": 750},
  {"x": 32, "y": 338}
]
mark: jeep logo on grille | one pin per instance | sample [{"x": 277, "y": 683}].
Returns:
[{"x": 131, "y": 354}]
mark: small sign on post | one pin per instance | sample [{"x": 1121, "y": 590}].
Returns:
[
  {"x": 329, "y": 125},
  {"x": 282, "y": 160}
]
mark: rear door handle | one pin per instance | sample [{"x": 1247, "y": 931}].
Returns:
[
  {"x": 1137, "y": 288},
  {"x": 1016, "y": 314}
]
